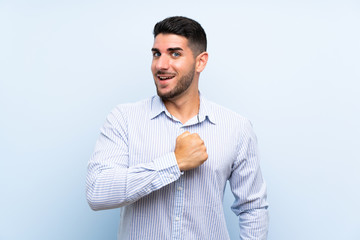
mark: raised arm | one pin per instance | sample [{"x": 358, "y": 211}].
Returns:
[{"x": 111, "y": 182}]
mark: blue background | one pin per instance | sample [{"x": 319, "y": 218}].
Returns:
[{"x": 292, "y": 67}]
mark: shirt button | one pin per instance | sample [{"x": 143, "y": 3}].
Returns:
[
  {"x": 171, "y": 176},
  {"x": 177, "y": 219},
  {"x": 179, "y": 188}
]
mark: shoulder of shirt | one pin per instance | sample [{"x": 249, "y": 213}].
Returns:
[
  {"x": 231, "y": 120},
  {"x": 222, "y": 113}
]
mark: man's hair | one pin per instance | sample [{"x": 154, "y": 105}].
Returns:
[{"x": 186, "y": 27}]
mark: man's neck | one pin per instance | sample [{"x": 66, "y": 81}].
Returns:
[{"x": 183, "y": 108}]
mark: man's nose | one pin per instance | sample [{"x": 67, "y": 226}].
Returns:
[{"x": 162, "y": 63}]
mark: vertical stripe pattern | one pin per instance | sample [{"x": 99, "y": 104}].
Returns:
[{"x": 134, "y": 167}]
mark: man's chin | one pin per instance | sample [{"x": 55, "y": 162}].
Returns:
[{"x": 166, "y": 95}]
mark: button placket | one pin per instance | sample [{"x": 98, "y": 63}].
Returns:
[
  {"x": 178, "y": 208},
  {"x": 178, "y": 196}
]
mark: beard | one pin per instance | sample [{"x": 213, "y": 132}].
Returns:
[{"x": 182, "y": 85}]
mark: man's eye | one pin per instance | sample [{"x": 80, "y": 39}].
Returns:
[
  {"x": 175, "y": 54},
  {"x": 156, "y": 54}
]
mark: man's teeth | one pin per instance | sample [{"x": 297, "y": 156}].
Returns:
[{"x": 165, "y": 78}]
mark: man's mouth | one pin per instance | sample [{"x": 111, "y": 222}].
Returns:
[{"x": 165, "y": 77}]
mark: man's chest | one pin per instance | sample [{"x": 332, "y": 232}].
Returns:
[{"x": 151, "y": 140}]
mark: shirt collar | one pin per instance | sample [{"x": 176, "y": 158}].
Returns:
[
  {"x": 157, "y": 107},
  {"x": 205, "y": 111}
]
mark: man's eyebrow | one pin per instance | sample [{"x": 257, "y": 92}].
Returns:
[
  {"x": 175, "y": 49},
  {"x": 169, "y": 49}
]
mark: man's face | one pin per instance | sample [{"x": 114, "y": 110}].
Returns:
[{"x": 173, "y": 65}]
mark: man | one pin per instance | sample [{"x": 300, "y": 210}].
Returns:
[{"x": 165, "y": 160}]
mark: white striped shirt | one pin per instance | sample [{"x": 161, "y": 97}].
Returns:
[{"x": 134, "y": 167}]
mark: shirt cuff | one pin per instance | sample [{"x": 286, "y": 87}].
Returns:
[{"x": 167, "y": 168}]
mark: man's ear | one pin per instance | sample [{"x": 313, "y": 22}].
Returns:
[{"x": 201, "y": 61}]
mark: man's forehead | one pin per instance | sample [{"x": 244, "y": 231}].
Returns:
[{"x": 165, "y": 41}]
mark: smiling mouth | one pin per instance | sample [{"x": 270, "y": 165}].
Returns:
[{"x": 162, "y": 78}]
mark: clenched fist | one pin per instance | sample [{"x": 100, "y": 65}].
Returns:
[{"x": 190, "y": 151}]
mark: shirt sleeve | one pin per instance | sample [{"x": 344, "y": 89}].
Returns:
[
  {"x": 111, "y": 182},
  {"x": 249, "y": 188}
]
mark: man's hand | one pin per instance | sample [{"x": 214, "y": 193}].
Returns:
[{"x": 190, "y": 151}]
